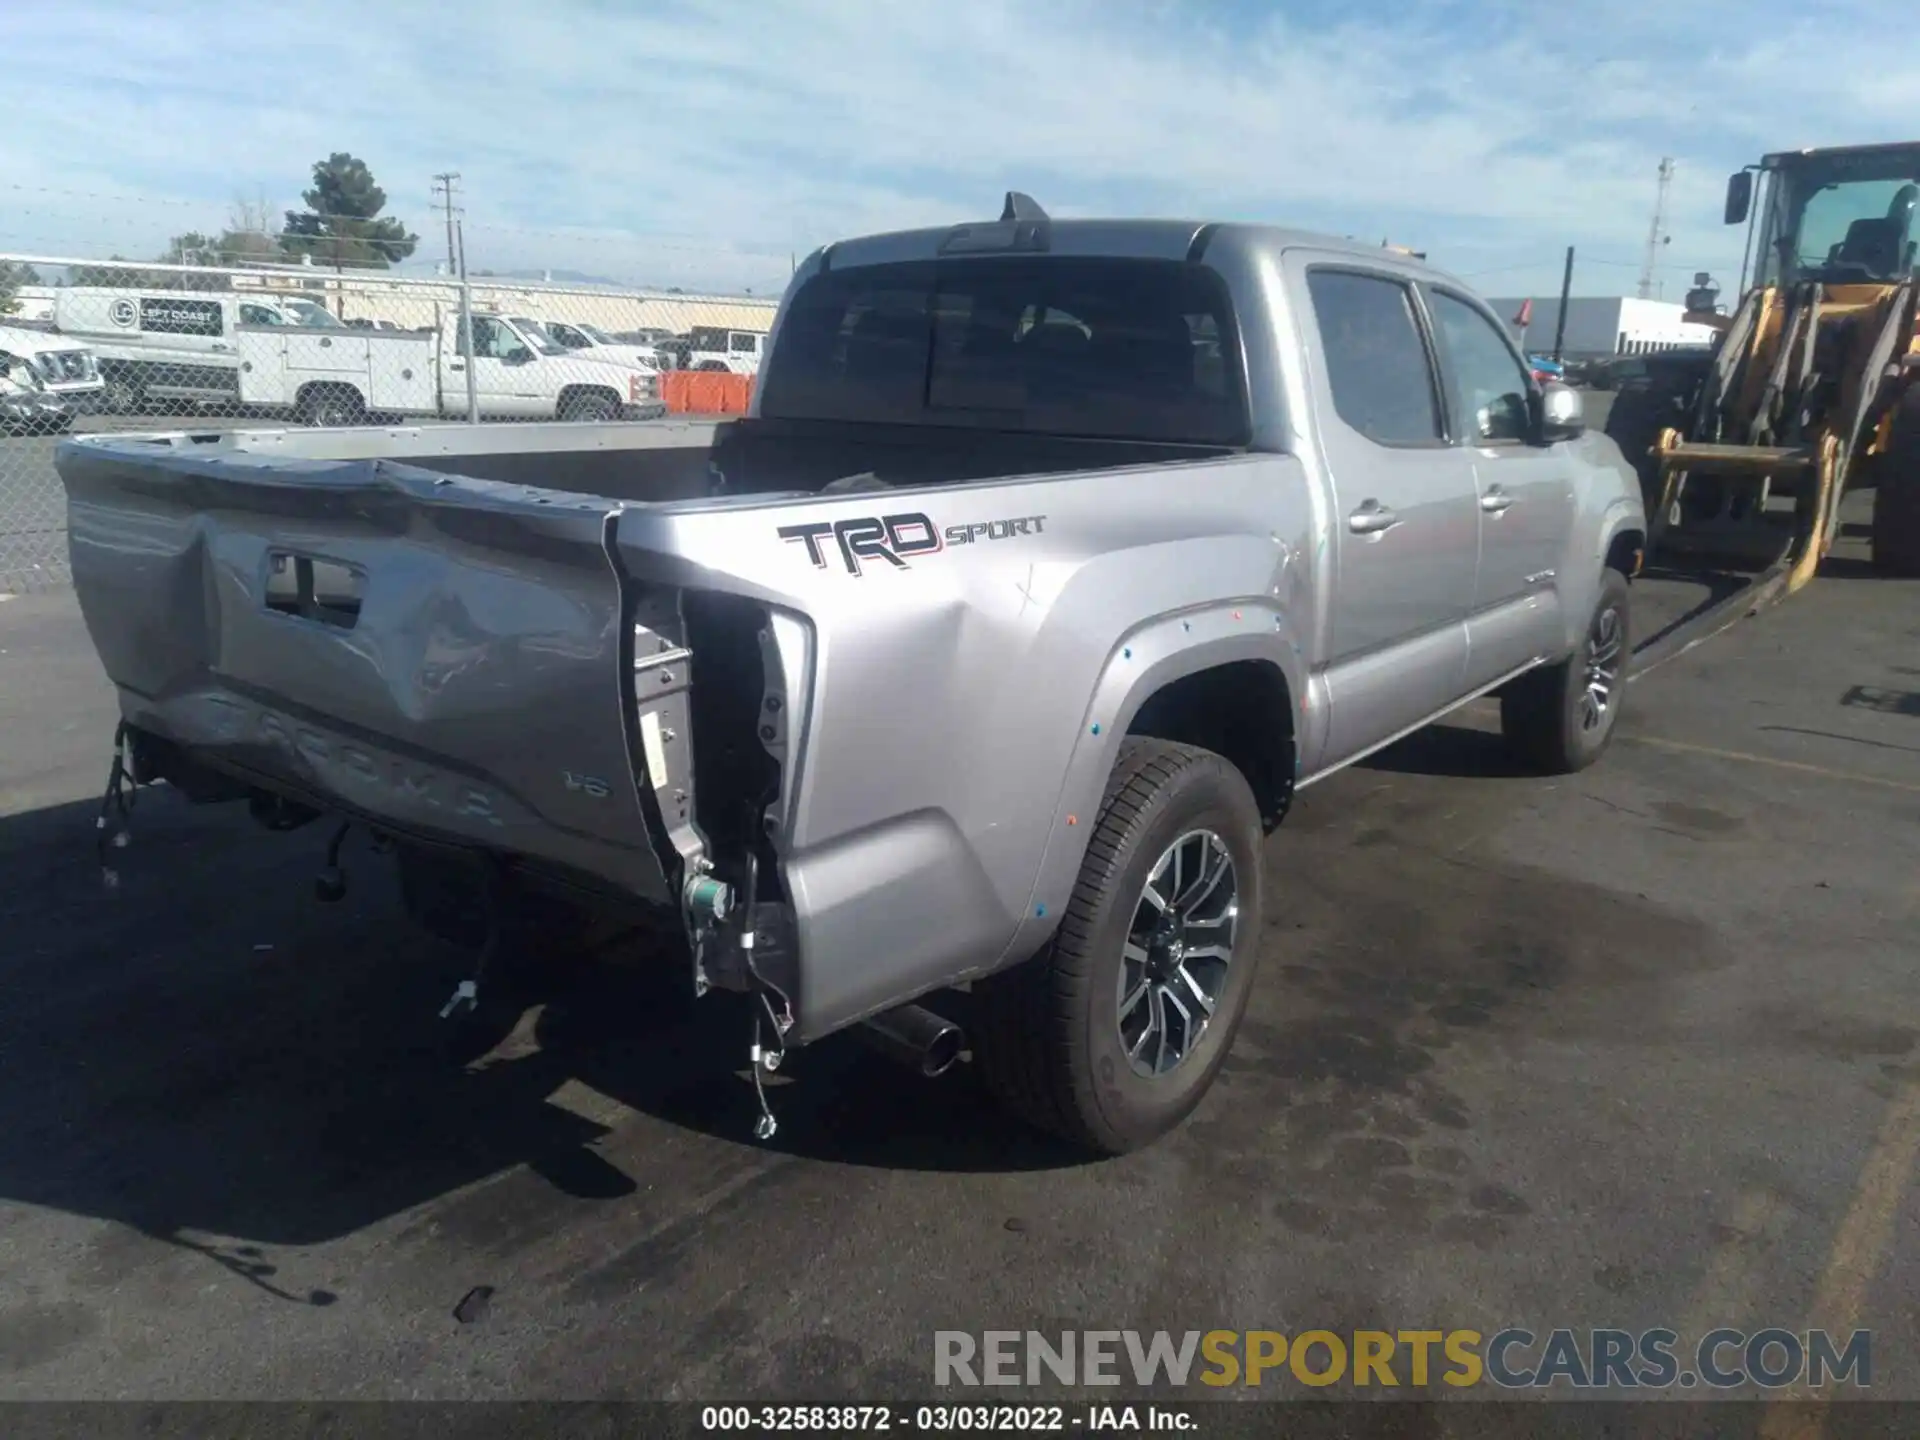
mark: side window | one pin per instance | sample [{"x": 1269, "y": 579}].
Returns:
[
  {"x": 744, "y": 344},
  {"x": 258, "y": 315},
  {"x": 568, "y": 337},
  {"x": 1492, "y": 388},
  {"x": 1377, "y": 363},
  {"x": 493, "y": 339}
]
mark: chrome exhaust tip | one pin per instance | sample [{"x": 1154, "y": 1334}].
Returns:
[{"x": 916, "y": 1038}]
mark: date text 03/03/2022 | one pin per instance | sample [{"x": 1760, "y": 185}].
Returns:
[{"x": 944, "y": 1419}]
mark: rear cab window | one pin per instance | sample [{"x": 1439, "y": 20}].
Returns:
[
  {"x": 1379, "y": 372},
  {"x": 1059, "y": 345}
]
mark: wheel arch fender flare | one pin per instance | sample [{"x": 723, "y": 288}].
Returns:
[{"x": 1153, "y": 655}]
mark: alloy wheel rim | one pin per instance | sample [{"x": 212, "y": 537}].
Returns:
[
  {"x": 1178, "y": 952},
  {"x": 1606, "y": 650}
]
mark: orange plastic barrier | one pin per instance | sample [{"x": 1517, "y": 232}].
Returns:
[{"x": 705, "y": 392}]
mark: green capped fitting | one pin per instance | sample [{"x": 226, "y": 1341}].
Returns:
[{"x": 709, "y": 899}]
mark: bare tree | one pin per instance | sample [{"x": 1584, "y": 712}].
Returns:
[{"x": 254, "y": 215}]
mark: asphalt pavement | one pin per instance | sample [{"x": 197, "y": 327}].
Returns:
[{"x": 1635, "y": 1048}]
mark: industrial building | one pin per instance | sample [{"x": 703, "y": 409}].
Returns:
[{"x": 1602, "y": 325}]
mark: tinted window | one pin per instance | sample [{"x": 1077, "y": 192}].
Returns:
[
  {"x": 1377, "y": 365},
  {"x": 180, "y": 317},
  {"x": 1123, "y": 349},
  {"x": 259, "y": 315},
  {"x": 1491, "y": 387},
  {"x": 497, "y": 342}
]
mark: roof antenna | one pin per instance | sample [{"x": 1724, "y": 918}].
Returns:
[{"x": 1021, "y": 207}]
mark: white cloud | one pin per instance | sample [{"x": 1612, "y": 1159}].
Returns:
[{"x": 700, "y": 142}]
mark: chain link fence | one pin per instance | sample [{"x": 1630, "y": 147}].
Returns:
[{"x": 89, "y": 346}]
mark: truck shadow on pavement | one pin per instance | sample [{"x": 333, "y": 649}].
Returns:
[{"x": 206, "y": 1050}]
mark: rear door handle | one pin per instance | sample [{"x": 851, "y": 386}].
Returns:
[
  {"x": 1495, "y": 500},
  {"x": 1372, "y": 518}
]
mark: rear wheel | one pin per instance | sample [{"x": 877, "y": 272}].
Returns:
[
  {"x": 1561, "y": 718},
  {"x": 331, "y": 409},
  {"x": 1896, "y": 499},
  {"x": 1112, "y": 1035}
]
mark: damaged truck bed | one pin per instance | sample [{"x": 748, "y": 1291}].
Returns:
[{"x": 1053, "y": 558}]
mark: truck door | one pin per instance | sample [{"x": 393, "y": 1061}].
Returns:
[
  {"x": 1525, "y": 493},
  {"x": 1406, "y": 518},
  {"x": 504, "y": 372}
]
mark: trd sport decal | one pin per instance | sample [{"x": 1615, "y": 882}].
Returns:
[{"x": 898, "y": 538}]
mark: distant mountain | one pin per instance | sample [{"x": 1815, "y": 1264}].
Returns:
[{"x": 556, "y": 277}]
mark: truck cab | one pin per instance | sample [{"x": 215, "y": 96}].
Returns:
[
  {"x": 521, "y": 372},
  {"x": 590, "y": 342}
]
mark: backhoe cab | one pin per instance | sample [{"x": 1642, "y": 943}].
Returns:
[{"x": 1812, "y": 387}]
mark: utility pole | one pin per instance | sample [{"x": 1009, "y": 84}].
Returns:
[
  {"x": 1656, "y": 233},
  {"x": 466, "y": 328},
  {"x": 444, "y": 185},
  {"x": 1566, "y": 298}
]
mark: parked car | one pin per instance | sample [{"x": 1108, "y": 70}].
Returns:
[
  {"x": 26, "y": 406},
  {"x": 1546, "y": 371},
  {"x": 712, "y": 348},
  {"x": 65, "y": 371},
  {"x": 982, "y": 653},
  {"x": 589, "y": 342}
]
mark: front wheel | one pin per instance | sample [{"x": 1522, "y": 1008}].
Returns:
[
  {"x": 1112, "y": 1035},
  {"x": 122, "y": 395},
  {"x": 590, "y": 408},
  {"x": 1560, "y": 718}
]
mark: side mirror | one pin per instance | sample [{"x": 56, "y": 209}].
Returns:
[
  {"x": 1739, "y": 196},
  {"x": 519, "y": 356},
  {"x": 1563, "y": 414}
]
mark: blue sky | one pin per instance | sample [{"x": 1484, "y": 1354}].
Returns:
[{"x": 701, "y": 142}]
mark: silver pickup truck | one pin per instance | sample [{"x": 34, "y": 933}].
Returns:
[{"x": 1053, "y": 559}]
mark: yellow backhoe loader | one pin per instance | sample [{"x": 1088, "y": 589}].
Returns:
[{"x": 1812, "y": 387}]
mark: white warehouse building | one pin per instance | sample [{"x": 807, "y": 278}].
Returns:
[{"x": 1604, "y": 325}]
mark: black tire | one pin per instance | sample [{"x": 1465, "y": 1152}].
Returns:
[
  {"x": 1046, "y": 1034},
  {"x": 1543, "y": 714},
  {"x": 330, "y": 409},
  {"x": 590, "y": 407},
  {"x": 123, "y": 395},
  {"x": 1896, "y": 499}
]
